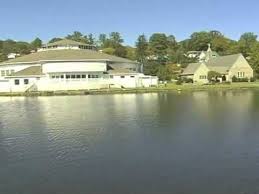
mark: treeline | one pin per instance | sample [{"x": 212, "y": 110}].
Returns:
[
  {"x": 20, "y": 47},
  {"x": 160, "y": 53}
]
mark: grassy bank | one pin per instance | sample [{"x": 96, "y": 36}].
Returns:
[
  {"x": 232, "y": 86},
  {"x": 161, "y": 88}
]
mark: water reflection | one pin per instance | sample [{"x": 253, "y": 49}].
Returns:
[{"x": 142, "y": 143}]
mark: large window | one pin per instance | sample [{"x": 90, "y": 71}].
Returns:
[
  {"x": 26, "y": 81},
  {"x": 3, "y": 73},
  {"x": 16, "y": 82},
  {"x": 93, "y": 76},
  {"x": 240, "y": 74}
]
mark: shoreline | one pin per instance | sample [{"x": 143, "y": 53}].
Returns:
[{"x": 167, "y": 88}]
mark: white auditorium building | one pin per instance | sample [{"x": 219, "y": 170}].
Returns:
[{"x": 69, "y": 65}]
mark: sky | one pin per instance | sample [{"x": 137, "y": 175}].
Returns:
[{"x": 27, "y": 19}]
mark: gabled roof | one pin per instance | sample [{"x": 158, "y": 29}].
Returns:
[
  {"x": 67, "y": 55},
  {"x": 191, "y": 68},
  {"x": 66, "y": 42},
  {"x": 30, "y": 71},
  {"x": 222, "y": 64}
]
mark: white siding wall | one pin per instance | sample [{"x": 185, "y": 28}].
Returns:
[
  {"x": 14, "y": 67},
  {"x": 127, "y": 81},
  {"x": 62, "y": 85},
  {"x": 149, "y": 81},
  {"x": 5, "y": 86},
  {"x": 21, "y": 87},
  {"x": 60, "y": 67}
]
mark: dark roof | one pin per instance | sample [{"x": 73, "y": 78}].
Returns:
[
  {"x": 30, "y": 71},
  {"x": 222, "y": 64},
  {"x": 191, "y": 68},
  {"x": 67, "y": 55}
]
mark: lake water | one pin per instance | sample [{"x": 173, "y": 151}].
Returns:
[{"x": 197, "y": 142}]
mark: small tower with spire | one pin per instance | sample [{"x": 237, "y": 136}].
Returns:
[{"x": 209, "y": 53}]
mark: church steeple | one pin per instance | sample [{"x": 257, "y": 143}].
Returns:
[
  {"x": 209, "y": 48},
  {"x": 209, "y": 53}
]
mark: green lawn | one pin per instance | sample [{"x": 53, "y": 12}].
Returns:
[
  {"x": 160, "y": 88},
  {"x": 243, "y": 85}
]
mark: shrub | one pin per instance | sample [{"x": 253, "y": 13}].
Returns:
[
  {"x": 179, "y": 82},
  {"x": 187, "y": 80},
  {"x": 252, "y": 79},
  {"x": 212, "y": 75},
  {"x": 244, "y": 79},
  {"x": 234, "y": 79}
]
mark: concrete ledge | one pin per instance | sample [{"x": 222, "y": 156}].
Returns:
[{"x": 167, "y": 88}]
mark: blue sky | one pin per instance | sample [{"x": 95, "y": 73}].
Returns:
[{"x": 27, "y": 19}]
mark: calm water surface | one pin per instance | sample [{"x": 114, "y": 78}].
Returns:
[{"x": 189, "y": 143}]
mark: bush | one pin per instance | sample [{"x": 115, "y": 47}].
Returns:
[
  {"x": 252, "y": 79},
  {"x": 244, "y": 79},
  {"x": 187, "y": 80},
  {"x": 235, "y": 79},
  {"x": 179, "y": 82},
  {"x": 212, "y": 76}
]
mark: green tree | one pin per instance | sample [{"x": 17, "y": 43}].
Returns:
[
  {"x": 37, "y": 43},
  {"x": 55, "y": 40},
  {"x": 109, "y": 51},
  {"x": 91, "y": 39},
  {"x": 120, "y": 51},
  {"x": 2, "y": 57},
  {"x": 78, "y": 36},
  {"x": 142, "y": 49},
  {"x": 172, "y": 43},
  {"x": 116, "y": 38},
  {"x": 131, "y": 53},
  {"x": 23, "y": 48},
  {"x": 151, "y": 68},
  {"x": 102, "y": 40},
  {"x": 199, "y": 41},
  {"x": 246, "y": 42},
  {"x": 158, "y": 45},
  {"x": 212, "y": 75},
  {"x": 254, "y": 59}
]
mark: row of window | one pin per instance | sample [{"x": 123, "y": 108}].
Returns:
[
  {"x": 17, "y": 82},
  {"x": 78, "y": 76},
  {"x": 240, "y": 74},
  {"x": 6, "y": 72},
  {"x": 203, "y": 77},
  {"x": 111, "y": 76},
  {"x": 83, "y": 76}
]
